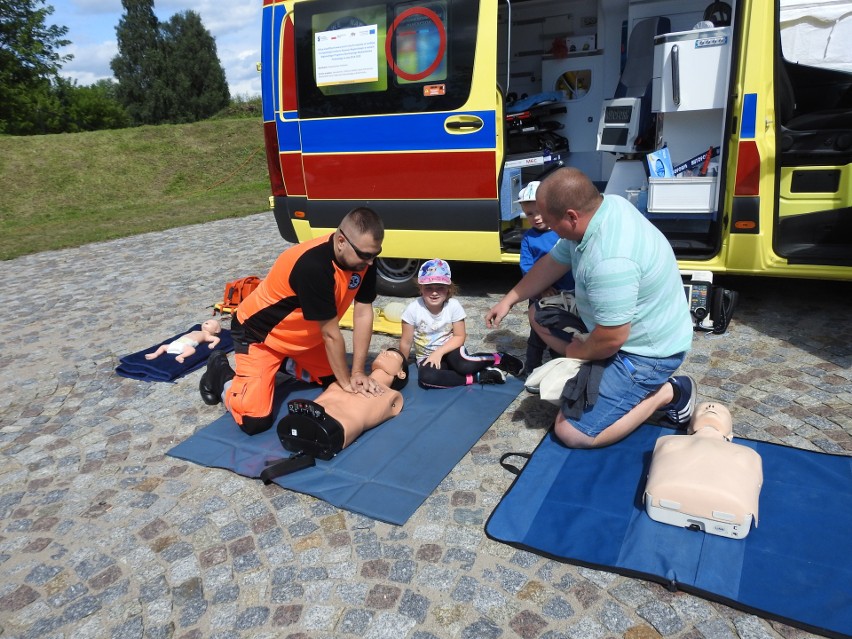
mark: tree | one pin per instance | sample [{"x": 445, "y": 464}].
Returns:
[
  {"x": 196, "y": 79},
  {"x": 90, "y": 108},
  {"x": 167, "y": 72},
  {"x": 139, "y": 66},
  {"x": 29, "y": 62}
]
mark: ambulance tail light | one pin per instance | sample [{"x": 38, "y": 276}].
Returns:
[
  {"x": 748, "y": 169},
  {"x": 273, "y": 159}
]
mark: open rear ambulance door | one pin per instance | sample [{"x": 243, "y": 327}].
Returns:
[
  {"x": 813, "y": 223},
  {"x": 395, "y": 111}
]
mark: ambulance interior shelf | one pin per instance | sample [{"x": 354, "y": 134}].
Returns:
[
  {"x": 687, "y": 189},
  {"x": 518, "y": 170},
  {"x": 528, "y": 130},
  {"x": 532, "y": 148},
  {"x": 689, "y": 81}
]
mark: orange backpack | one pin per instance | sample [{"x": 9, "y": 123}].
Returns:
[{"x": 235, "y": 292}]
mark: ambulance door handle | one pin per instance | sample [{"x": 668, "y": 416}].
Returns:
[
  {"x": 463, "y": 124},
  {"x": 676, "y": 75}
]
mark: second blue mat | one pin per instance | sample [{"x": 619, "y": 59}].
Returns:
[{"x": 585, "y": 507}]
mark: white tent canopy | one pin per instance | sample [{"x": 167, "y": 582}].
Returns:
[{"x": 817, "y": 33}]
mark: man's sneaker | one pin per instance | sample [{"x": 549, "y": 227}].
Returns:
[
  {"x": 680, "y": 411},
  {"x": 491, "y": 376},
  {"x": 510, "y": 364},
  {"x": 213, "y": 380}
]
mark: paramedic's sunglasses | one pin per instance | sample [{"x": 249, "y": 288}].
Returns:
[{"x": 361, "y": 254}]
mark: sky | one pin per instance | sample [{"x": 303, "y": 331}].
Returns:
[{"x": 235, "y": 24}]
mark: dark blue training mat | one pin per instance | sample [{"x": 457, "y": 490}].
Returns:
[
  {"x": 166, "y": 368},
  {"x": 389, "y": 470},
  {"x": 585, "y": 507}
]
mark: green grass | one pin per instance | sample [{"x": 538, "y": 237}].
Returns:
[{"x": 59, "y": 191}]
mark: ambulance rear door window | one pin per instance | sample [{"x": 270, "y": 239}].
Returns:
[{"x": 374, "y": 58}]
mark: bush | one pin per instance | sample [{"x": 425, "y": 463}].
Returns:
[{"x": 241, "y": 106}]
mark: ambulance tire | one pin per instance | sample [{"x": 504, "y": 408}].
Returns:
[{"x": 397, "y": 276}]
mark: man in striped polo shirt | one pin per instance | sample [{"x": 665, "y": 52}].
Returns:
[{"x": 629, "y": 294}]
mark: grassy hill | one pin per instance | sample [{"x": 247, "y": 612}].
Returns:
[{"x": 65, "y": 190}]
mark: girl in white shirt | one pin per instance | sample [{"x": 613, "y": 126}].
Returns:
[{"x": 434, "y": 325}]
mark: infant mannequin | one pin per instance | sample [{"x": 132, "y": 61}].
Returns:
[
  {"x": 346, "y": 415},
  {"x": 185, "y": 345}
]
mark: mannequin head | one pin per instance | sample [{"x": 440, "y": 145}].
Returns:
[
  {"x": 394, "y": 364},
  {"x": 713, "y": 416},
  {"x": 212, "y": 326}
]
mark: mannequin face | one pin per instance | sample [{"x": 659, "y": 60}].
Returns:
[
  {"x": 212, "y": 326},
  {"x": 714, "y": 416},
  {"x": 390, "y": 362}
]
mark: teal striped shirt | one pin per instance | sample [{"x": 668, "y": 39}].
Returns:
[{"x": 625, "y": 272}]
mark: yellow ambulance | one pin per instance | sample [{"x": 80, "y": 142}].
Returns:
[{"x": 728, "y": 124}]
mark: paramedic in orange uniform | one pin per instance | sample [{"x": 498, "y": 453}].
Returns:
[{"x": 292, "y": 318}]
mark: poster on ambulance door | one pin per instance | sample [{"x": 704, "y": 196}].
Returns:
[{"x": 347, "y": 56}]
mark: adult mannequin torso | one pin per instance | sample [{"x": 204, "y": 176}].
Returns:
[
  {"x": 356, "y": 412},
  {"x": 343, "y": 415}
]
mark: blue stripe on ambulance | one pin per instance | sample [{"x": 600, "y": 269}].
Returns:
[
  {"x": 418, "y": 131},
  {"x": 288, "y": 132},
  {"x": 273, "y": 19},
  {"x": 748, "y": 121}
]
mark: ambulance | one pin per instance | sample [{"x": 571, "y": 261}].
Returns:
[{"x": 728, "y": 124}]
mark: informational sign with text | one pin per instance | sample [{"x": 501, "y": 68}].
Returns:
[{"x": 347, "y": 56}]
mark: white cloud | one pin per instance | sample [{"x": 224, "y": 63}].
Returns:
[
  {"x": 91, "y": 7},
  {"x": 235, "y": 26},
  {"x": 90, "y": 63}
]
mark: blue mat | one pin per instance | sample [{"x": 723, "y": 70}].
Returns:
[
  {"x": 585, "y": 507},
  {"x": 166, "y": 368},
  {"x": 389, "y": 471}
]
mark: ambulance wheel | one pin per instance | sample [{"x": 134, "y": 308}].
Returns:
[{"x": 397, "y": 276}]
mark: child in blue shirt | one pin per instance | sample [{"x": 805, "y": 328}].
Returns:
[{"x": 537, "y": 241}]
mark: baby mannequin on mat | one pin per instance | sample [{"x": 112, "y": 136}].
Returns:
[
  {"x": 184, "y": 346},
  {"x": 338, "y": 417}
]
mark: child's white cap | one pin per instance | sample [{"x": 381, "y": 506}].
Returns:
[{"x": 527, "y": 193}]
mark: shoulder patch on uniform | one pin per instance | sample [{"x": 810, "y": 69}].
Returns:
[{"x": 354, "y": 281}]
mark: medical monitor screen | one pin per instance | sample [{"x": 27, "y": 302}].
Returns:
[{"x": 618, "y": 114}]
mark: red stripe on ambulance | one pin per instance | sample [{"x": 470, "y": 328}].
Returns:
[
  {"x": 288, "y": 67},
  {"x": 400, "y": 176},
  {"x": 291, "y": 167}
]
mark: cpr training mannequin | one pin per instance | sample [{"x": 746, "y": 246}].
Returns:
[
  {"x": 323, "y": 427},
  {"x": 704, "y": 481},
  {"x": 185, "y": 345}
]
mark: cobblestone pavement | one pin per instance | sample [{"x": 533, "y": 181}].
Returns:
[{"x": 103, "y": 536}]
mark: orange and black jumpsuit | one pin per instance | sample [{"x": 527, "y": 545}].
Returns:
[{"x": 280, "y": 319}]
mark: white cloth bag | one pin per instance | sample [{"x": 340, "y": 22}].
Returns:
[{"x": 548, "y": 380}]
